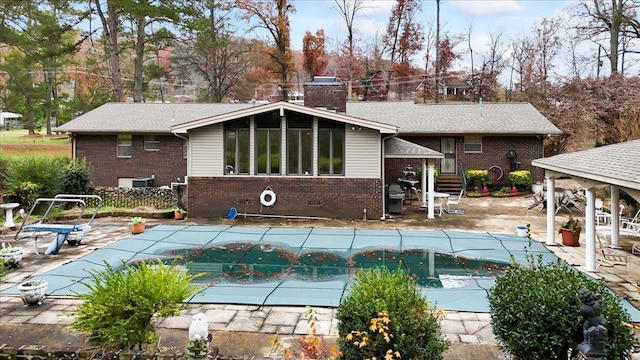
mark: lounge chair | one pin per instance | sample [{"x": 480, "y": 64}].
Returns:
[{"x": 609, "y": 257}]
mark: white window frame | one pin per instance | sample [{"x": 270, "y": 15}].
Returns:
[
  {"x": 124, "y": 141},
  {"x": 472, "y": 144},
  {"x": 151, "y": 143}
]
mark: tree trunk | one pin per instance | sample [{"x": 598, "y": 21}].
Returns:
[{"x": 139, "y": 62}]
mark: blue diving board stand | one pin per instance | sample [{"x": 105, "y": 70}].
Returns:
[{"x": 61, "y": 231}]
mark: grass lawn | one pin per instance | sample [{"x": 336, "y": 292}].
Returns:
[{"x": 18, "y": 142}]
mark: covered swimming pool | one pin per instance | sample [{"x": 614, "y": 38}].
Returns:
[{"x": 299, "y": 266}]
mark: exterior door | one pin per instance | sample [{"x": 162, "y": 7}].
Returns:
[{"x": 448, "y": 148}]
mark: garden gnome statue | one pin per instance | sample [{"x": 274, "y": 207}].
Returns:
[
  {"x": 594, "y": 330},
  {"x": 199, "y": 337}
]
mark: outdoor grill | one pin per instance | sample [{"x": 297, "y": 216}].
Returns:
[{"x": 395, "y": 199}]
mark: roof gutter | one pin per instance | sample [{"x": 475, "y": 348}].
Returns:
[{"x": 384, "y": 192}]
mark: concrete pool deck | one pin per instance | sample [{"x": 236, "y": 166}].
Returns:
[{"x": 256, "y": 324}]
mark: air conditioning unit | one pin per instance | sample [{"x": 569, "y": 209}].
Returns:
[{"x": 142, "y": 182}]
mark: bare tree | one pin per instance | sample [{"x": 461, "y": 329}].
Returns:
[
  {"x": 609, "y": 19},
  {"x": 348, "y": 9}
]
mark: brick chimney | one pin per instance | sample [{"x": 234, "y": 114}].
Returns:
[{"x": 326, "y": 92}]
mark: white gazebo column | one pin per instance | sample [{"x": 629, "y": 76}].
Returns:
[
  {"x": 590, "y": 227},
  {"x": 431, "y": 189},
  {"x": 423, "y": 185},
  {"x": 551, "y": 211},
  {"x": 615, "y": 217}
]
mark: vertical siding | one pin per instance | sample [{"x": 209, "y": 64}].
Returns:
[
  {"x": 207, "y": 151},
  {"x": 362, "y": 153}
]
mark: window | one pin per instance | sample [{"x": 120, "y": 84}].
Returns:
[
  {"x": 236, "y": 146},
  {"x": 267, "y": 148},
  {"x": 300, "y": 145},
  {"x": 473, "y": 144},
  {"x": 151, "y": 143},
  {"x": 330, "y": 148},
  {"x": 124, "y": 147}
]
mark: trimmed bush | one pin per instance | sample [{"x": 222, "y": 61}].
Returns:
[
  {"x": 476, "y": 176},
  {"x": 120, "y": 308},
  {"x": 521, "y": 179},
  {"x": 535, "y": 312},
  {"x": 380, "y": 294}
]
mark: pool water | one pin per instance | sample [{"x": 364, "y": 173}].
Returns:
[{"x": 251, "y": 263}]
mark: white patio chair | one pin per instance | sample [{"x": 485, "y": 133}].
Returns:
[
  {"x": 455, "y": 201},
  {"x": 602, "y": 217}
]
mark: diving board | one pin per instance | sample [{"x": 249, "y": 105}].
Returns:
[{"x": 61, "y": 232}]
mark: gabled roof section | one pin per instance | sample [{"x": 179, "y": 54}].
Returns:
[
  {"x": 281, "y": 106},
  {"x": 402, "y": 149},
  {"x": 143, "y": 117},
  {"x": 456, "y": 119},
  {"x": 615, "y": 164}
]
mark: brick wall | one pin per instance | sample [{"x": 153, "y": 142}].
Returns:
[
  {"x": 333, "y": 97},
  {"x": 167, "y": 164},
  {"x": 319, "y": 197},
  {"x": 494, "y": 152}
]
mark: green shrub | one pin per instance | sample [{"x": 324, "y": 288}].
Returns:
[
  {"x": 521, "y": 179},
  {"x": 28, "y": 178},
  {"x": 535, "y": 312},
  {"x": 474, "y": 176},
  {"x": 413, "y": 324},
  {"x": 76, "y": 177},
  {"x": 119, "y": 309}
]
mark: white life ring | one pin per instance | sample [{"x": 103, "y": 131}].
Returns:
[{"x": 271, "y": 195}]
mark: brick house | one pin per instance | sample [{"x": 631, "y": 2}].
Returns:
[{"x": 329, "y": 158}]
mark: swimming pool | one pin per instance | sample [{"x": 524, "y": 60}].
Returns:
[{"x": 328, "y": 256}]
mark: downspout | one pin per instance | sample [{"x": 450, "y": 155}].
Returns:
[
  {"x": 384, "y": 193},
  {"x": 186, "y": 177}
]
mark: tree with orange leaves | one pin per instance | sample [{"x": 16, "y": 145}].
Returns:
[
  {"x": 273, "y": 16},
  {"x": 315, "y": 60}
]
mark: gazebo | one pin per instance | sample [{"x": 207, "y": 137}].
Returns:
[{"x": 616, "y": 165}]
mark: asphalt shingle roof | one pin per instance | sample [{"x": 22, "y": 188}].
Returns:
[
  {"x": 396, "y": 147},
  {"x": 488, "y": 118},
  {"x": 492, "y": 118},
  {"x": 618, "y": 164},
  {"x": 144, "y": 117}
]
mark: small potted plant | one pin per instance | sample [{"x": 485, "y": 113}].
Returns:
[
  {"x": 137, "y": 225},
  {"x": 33, "y": 291},
  {"x": 571, "y": 232},
  {"x": 179, "y": 213},
  {"x": 12, "y": 255}
]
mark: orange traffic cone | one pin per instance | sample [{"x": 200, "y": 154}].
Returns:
[
  {"x": 485, "y": 191},
  {"x": 514, "y": 191}
]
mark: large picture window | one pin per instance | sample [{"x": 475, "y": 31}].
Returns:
[
  {"x": 268, "y": 144},
  {"x": 330, "y": 148},
  {"x": 236, "y": 137},
  {"x": 124, "y": 146},
  {"x": 300, "y": 146}
]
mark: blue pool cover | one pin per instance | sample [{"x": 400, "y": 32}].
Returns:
[{"x": 458, "y": 292}]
